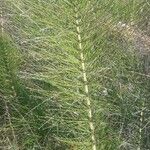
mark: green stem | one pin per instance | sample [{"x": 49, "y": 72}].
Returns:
[{"x": 86, "y": 88}]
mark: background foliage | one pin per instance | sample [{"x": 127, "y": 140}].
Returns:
[{"x": 56, "y": 56}]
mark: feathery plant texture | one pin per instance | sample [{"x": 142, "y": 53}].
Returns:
[
  {"x": 7, "y": 89},
  {"x": 82, "y": 82}
]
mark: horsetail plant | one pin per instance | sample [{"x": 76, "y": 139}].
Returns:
[
  {"x": 82, "y": 84},
  {"x": 88, "y": 101}
]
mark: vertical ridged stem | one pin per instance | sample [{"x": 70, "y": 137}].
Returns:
[
  {"x": 2, "y": 22},
  {"x": 141, "y": 125},
  {"x": 86, "y": 89}
]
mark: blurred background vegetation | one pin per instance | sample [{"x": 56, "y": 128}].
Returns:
[{"x": 75, "y": 75}]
